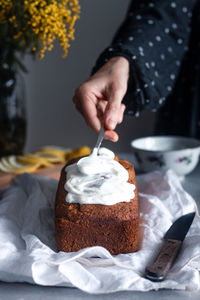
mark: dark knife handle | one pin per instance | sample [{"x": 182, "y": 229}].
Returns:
[{"x": 160, "y": 267}]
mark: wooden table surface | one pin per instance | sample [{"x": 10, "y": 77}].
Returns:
[{"x": 51, "y": 172}]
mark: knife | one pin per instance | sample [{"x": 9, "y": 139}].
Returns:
[{"x": 173, "y": 240}]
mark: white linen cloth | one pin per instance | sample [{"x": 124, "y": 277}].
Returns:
[{"x": 28, "y": 247}]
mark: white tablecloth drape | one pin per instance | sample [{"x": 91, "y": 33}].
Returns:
[{"x": 28, "y": 250}]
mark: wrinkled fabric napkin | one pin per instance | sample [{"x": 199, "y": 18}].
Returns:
[{"x": 28, "y": 250}]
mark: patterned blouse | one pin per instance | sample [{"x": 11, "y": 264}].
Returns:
[{"x": 161, "y": 40}]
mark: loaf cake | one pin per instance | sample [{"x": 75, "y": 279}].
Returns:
[{"x": 114, "y": 227}]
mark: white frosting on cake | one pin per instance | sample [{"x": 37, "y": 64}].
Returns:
[{"x": 98, "y": 179}]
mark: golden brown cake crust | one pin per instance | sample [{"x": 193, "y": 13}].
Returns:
[{"x": 114, "y": 227}]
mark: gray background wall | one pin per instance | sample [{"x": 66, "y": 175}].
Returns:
[{"x": 50, "y": 84}]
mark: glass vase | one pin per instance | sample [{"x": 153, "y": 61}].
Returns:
[{"x": 12, "y": 111}]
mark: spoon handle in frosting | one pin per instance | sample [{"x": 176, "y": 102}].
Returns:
[{"x": 99, "y": 139}]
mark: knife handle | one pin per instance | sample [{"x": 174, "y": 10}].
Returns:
[{"x": 160, "y": 267}]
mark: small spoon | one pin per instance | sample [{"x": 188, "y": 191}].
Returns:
[{"x": 99, "y": 140}]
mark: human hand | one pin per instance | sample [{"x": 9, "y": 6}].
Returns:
[{"x": 99, "y": 98}]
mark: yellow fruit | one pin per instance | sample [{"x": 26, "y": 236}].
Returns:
[
  {"x": 42, "y": 158},
  {"x": 54, "y": 148},
  {"x": 34, "y": 159},
  {"x": 10, "y": 164},
  {"x": 57, "y": 151},
  {"x": 4, "y": 168},
  {"x": 82, "y": 151},
  {"x": 51, "y": 158}
]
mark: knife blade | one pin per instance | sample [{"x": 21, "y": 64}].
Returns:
[{"x": 173, "y": 240}]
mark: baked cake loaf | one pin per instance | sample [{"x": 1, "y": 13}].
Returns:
[{"x": 114, "y": 227}]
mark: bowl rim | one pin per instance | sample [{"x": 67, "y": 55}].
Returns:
[{"x": 155, "y": 137}]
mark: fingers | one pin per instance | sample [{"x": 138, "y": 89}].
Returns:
[
  {"x": 100, "y": 97},
  {"x": 93, "y": 112},
  {"x": 101, "y": 107},
  {"x": 86, "y": 104},
  {"x": 114, "y": 110},
  {"x": 111, "y": 135},
  {"x": 121, "y": 113}
]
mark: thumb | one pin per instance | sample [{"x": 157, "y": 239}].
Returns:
[{"x": 113, "y": 108}]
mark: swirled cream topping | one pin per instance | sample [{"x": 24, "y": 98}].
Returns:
[{"x": 98, "y": 179}]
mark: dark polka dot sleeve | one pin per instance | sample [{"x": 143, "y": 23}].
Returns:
[{"x": 154, "y": 38}]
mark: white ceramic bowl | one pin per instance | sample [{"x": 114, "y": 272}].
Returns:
[{"x": 167, "y": 152}]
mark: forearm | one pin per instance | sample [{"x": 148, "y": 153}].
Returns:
[{"x": 154, "y": 39}]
